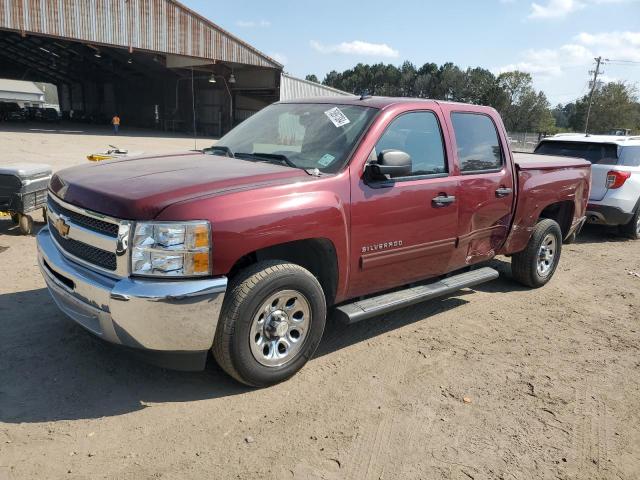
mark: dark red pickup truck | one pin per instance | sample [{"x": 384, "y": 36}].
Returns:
[{"x": 359, "y": 205}]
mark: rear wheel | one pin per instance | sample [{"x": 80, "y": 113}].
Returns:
[
  {"x": 632, "y": 229},
  {"x": 15, "y": 218},
  {"x": 271, "y": 323},
  {"x": 537, "y": 263}
]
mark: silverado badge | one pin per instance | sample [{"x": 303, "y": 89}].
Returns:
[{"x": 381, "y": 246}]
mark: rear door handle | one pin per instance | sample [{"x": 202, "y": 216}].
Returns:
[
  {"x": 503, "y": 192},
  {"x": 443, "y": 200}
]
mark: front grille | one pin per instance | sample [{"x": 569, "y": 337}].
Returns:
[
  {"x": 93, "y": 255},
  {"x": 106, "y": 228}
]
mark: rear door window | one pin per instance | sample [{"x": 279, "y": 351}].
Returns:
[
  {"x": 630, "y": 156},
  {"x": 596, "y": 153},
  {"x": 477, "y": 141}
]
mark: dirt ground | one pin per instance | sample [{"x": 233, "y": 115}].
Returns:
[
  {"x": 551, "y": 379},
  {"x": 65, "y": 145}
]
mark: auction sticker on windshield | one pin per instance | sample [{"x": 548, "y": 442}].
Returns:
[
  {"x": 336, "y": 116},
  {"x": 326, "y": 160}
]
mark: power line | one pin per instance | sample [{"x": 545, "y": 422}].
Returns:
[{"x": 630, "y": 62}]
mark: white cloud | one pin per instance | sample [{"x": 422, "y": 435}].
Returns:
[
  {"x": 579, "y": 53},
  {"x": 551, "y": 62},
  {"x": 555, "y": 9},
  {"x": 357, "y": 47},
  {"x": 614, "y": 45},
  {"x": 279, "y": 57},
  {"x": 253, "y": 23}
]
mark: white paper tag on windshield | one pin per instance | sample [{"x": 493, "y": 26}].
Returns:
[{"x": 336, "y": 116}]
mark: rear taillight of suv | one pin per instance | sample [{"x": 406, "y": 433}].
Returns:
[{"x": 616, "y": 179}]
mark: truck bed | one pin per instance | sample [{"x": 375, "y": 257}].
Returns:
[
  {"x": 539, "y": 184},
  {"x": 533, "y": 161}
]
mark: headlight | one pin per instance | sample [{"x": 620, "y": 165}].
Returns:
[{"x": 167, "y": 249}]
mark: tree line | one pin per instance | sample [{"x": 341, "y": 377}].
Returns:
[{"x": 523, "y": 108}]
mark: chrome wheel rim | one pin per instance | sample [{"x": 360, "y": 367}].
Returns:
[
  {"x": 546, "y": 255},
  {"x": 280, "y": 328},
  {"x": 638, "y": 225}
]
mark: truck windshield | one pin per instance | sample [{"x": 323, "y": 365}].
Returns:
[
  {"x": 597, "y": 153},
  {"x": 299, "y": 135}
]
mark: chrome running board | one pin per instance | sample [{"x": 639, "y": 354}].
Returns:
[{"x": 387, "y": 302}]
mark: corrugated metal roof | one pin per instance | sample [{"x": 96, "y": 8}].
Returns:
[
  {"x": 292, "y": 88},
  {"x": 19, "y": 86},
  {"x": 162, "y": 26}
]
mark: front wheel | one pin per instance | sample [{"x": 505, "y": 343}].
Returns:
[
  {"x": 271, "y": 323},
  {"x": 536, "y": 264}
]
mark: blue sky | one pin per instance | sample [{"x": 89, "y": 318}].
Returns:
[{"x": 554, "y": 40}]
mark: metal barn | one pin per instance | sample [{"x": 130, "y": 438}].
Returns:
[{"x": 139, "y": 58}]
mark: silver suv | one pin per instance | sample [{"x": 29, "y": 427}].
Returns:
[{"x": 615, "y": 189}]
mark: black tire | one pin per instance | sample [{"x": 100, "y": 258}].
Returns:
[
  {"x": 524, "y": 265},
  {"x": 247, "y": 293},
  {"x": 632, "y": 229},
  {"x": 15, "y": 218},
  {"x": 25, "y": 223}
]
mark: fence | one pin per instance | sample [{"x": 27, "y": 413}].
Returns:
[{"x": 523, "y": 142}]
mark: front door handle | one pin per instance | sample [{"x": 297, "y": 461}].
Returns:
[
  {"x": 443, "y": 200},
  {"x": 503, "y": 192}
]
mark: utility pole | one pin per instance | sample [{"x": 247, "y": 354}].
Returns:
[
  {"x": 594, "y": 83},
  {"x": 193, "y": 106}
]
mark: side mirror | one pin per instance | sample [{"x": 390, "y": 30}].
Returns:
[{"x": 394, "y": 163}]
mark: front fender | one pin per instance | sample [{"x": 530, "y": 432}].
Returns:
[{"x": 247, "y": 221}]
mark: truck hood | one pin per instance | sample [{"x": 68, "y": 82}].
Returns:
[{"x": 140, "y": 188}]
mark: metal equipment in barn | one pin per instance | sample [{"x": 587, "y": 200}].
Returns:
[{"x": 23, "y": 189}]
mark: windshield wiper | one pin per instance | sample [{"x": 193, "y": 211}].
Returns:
[
  {"x": 226, "y": 150},
  {"x": 278, "y": 158},
  {"x": 271, "y": 157}
]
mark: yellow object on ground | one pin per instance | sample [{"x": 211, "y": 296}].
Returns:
[{"x": 97, "y": 157}]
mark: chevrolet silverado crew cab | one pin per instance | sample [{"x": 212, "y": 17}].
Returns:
[
  {"x": 361, "y": 205},
  {"x": 615, "y": 189}
]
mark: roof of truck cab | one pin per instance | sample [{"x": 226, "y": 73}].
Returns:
[
  {"x": 374, "y": 102},
  {"x": 581, "y": 137}
]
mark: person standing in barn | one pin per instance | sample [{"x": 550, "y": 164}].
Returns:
[{"x": 115, "y": 121}]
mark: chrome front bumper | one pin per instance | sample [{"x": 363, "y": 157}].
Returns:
[{"x": 158, "y": 315}]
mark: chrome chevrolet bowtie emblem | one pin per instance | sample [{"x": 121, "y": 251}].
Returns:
[{"x": 62, "y": 227}]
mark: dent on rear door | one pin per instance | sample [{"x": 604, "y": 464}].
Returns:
[{"x": 487, "y": 187}]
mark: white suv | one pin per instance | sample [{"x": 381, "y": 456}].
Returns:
[{"x": 615, "y": 187}]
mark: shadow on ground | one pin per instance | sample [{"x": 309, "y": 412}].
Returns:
[
  {"x": 7, "y": 227},
  {"x": 600, "y": 234},
  {"x": 51, "y": 369}
]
